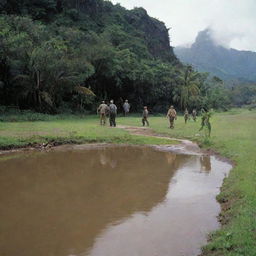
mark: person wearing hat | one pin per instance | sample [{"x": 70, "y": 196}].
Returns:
[
  {"x": 171, "y": 115},
  {"x": 112, "y": 113},
  {"x": 126, "y": 108},
  {"x": 145, "y": 116},
  {"x": 102, "y": 111}
]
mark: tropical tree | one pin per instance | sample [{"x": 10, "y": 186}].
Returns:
[
  {"x": 82, "y": 96},
  {"x": 188, "y": 86},
  {"x": 50, "y": 48}
]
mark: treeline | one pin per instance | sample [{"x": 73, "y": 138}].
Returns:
[
  {"x": 244, "y": 94},
  {"x": 59, "y": 55}
]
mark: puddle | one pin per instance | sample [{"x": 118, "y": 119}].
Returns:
[{"x": 108, "y": 201}]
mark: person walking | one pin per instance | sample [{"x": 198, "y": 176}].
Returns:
[
  {"x": 112, "y": 113},
  {"x": 102, "y": 111},
  {"x": 126, "y": 108},
  {"x": 145, "y": 116},
  {"x": 194, "y": 115},
  {"x": 186, "y": 115},
  {"x": 171, "y": 115},
  {"x": 202, "y": 111}
]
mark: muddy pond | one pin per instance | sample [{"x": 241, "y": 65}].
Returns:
[{"x": 108, "y": 201}]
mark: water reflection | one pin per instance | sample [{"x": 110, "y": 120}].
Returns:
[
  {"x": 109, "y": 201},
  {"x": 56, "y": 202},
  {"x": 205, "y": 163},
  {"x": 177, "y": 225}
]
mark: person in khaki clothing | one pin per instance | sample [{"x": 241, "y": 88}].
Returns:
[
  {"x": 186, "y": 115},
  {"x": 172, "y": 115},
  {"x": 194, "y": 114},
  {"x": 102, "y": 110},
  {"x": 145, "y": 116}
]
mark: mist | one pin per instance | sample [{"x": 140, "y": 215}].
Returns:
[{"x": 232, "y": 22}]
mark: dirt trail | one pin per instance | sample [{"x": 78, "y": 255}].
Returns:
[{"x": 184, "y": 147}]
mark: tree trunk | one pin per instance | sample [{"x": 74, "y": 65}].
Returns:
[{"x": 38, "y": 99}]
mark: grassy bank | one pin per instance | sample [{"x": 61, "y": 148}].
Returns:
[
  {"x": 63, "y": 130},
  {"x": 233, "y": 135}
]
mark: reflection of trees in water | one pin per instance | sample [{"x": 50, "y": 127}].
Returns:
[
  {"x": 71, "y": 196},
  {"x": 205, "y": 163}
]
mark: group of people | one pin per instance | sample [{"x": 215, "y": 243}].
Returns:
[
  {"x": 110, "y": 111},
  {"x": 186, "y": 115}
]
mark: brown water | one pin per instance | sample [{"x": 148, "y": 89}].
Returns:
[{"x": 111, "y": 201}]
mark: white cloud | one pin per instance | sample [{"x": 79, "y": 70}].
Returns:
[{"x": 232, "y": 21}]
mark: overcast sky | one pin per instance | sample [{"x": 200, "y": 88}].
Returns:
[{"x": 233, "y": 21}]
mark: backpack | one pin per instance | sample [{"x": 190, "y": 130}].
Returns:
[{"x": 112, "y": 108}]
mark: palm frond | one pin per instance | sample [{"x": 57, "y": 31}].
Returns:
[{"x": 83, "y": 90}]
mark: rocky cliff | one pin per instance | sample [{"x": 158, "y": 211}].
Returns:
[
  {"x": 96, "y": 15},
  {"x": 137, "y": 22}
]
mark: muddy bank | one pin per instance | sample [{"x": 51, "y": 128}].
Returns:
[
  {"x": 183, "y": 147},
  {"x": 44, "y": 145}
]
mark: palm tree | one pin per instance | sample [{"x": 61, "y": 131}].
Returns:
[
  {"x": 28, "y": 87},
  {"x": 187, "y": 86}
]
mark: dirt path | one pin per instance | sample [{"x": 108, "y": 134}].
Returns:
[{"x": 184, "y": 147}]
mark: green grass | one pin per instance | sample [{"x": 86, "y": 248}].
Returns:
[
  {"x": 68, "y": 130},
  {"x": 233, "y": 135}
]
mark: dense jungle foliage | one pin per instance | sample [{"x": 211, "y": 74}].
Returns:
[{"x": 62, "y": 55}]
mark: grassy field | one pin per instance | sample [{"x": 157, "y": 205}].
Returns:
[
  {"x": 233, "y": 135},
  {"x": 63, "y": 130}
]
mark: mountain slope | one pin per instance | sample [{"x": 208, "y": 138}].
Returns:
[
  {"x": 97, "y": 16},
  {"x": 206, "y": 55},
  {"x": 51, "y": 49}
]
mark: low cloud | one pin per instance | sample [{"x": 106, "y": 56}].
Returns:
[{"x": 232, "y": 22}]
